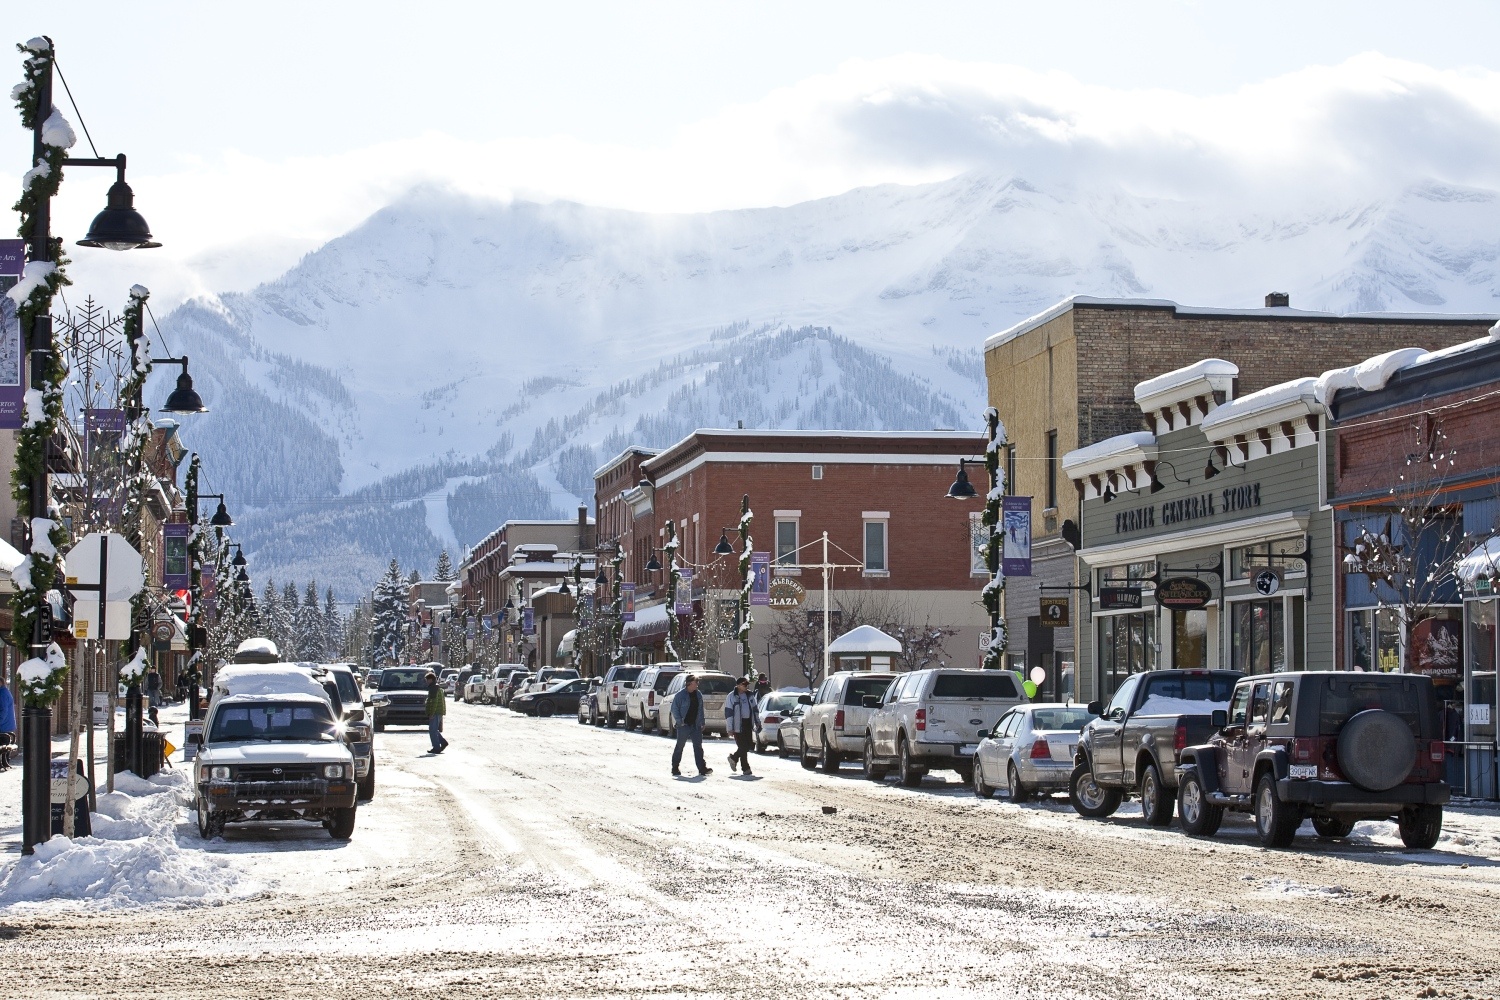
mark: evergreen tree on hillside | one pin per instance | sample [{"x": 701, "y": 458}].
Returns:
[
  {"x": 274, "y": 621},
  {"x": 444, "y": 570},
  {"x": 388, "y": 618},
  {"x": 356, "y": 633},
  {"x": 333, "y": 628},
  {"x": 415, "y": 577},
  {"x": 291, "y": 649},
  {"x": 309, "y": 627}
]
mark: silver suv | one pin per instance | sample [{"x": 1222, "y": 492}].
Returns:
[
  {"x": 643, "y": 700},
  {"x": 933, "y": 720},
  {"x": 834, "y": 723}
]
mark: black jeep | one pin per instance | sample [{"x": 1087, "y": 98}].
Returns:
[{"x": 1333, "y": 747}]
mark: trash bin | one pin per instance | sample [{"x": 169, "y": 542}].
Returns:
[{"x": 153, "y": 752}]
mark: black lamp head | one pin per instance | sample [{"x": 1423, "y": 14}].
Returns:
[
  {"x": 563, "y": 590},
  {"x": 724, "y": 548},
  {"x": 221, "y": 518},
  {"x": 239, "y": 556},
  {"x": 1109, "y": 494},
  {"x": 509, "y": 606},
  {"x": 1209, "y": 470},
  {"x": 653, "y": 564},
  {"x": 242, "y": 576},
  {"x": 184, "y": 398},
  {"x": 119, "y": 226},
  {"x": 1156, "y": 485},
  {"x": 601, "y": 580},
  {"x": 962, "y": 489}
]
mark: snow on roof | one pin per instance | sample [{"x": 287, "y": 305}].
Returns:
[
  {"x": 622, "y": 456},
  {"x": 1119, "y": 446},
  {"x": 1481, "y": 564},
  {"x": 1208, "y": 368},
  {"x": 1232, "y": 417},
  {"x": 1052, "y": 312},
  {"x": 266, "y": 679},
  {"x": 1369, "y": 374},
  {"x": 9, "y": 557},
  {"x": 864, "y": 639}
]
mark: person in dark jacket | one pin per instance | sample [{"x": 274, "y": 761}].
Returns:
[
  {"x": 762, "y": 688},
  {"x": 7, "y": 726},
  {"x": 437, "y": 707},
  {"x": 687, "y": 717},
  {"x": 742, "y": 721}
]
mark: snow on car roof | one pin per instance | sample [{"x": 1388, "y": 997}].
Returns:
[{"x": 268, "y": 679}]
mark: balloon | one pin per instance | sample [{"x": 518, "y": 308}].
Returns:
[
  {"x": 1038, "y": 675},
  {"x": 1030, "y": 688}
]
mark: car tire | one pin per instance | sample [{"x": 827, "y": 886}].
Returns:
[
  {"x": 1090, "y": 798},
  {"x": 210, "y": 824},
  {"x": 1420, "y": 826},
  {"x": 1019, "y": 792},
  {"x": 608, "y": 719},
  {"x": 831, "y": 758},
  {"x": 1156, "y": 804},
  {"x": 380, "y": 725},
  {"x": 873, "y": 770},
  {"x": 808, "y": 763},
  {"x": 907, "y": 770},
  {"x": 781, "y": 750},
  {"x": 1199, "y": 817},
  {"x": 366, "y": 787},
  {"x": 629, "y": 723},
  {"x": 544, "y": 709},
  {"x": 1276, "y": 821},
  {"x": 1332, "y": 827},
  {"x": 982, "y": 788},
  {"x": 341, "y": 823}
]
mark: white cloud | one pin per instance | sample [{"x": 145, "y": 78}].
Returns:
[{"x": 1359, "y": 129}]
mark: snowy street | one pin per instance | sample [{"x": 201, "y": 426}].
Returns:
[{"x": 539, "y": 857}]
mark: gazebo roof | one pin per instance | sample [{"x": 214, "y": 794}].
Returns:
[{"x": 865, "y": 639}]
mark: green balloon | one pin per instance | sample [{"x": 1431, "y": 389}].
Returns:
[{"x": 1029, "y": 687}]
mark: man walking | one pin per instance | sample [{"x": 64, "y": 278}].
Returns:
[
  {"x": 437, "y": 707},
  {"x": 687, "y": 716},
  {"x": 762, "y": 688},
  {"x": 743, "y": 721}
]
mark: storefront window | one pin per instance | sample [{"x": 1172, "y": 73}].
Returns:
[
  {"x": 1479, "y": 686},
  {"x": 1266, "y": 637},
  {"x": 1190, "y": 640},
  {"x": 1246, "y": 561},
  {"x": 1128, "y": 575},
  {"x": 1374, "y": 640},
  {"x": 1127, "y": 645}
]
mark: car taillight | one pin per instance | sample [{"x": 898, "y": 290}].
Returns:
[
  {"x": 614, "y": 692},
  {"x": 1041, "y": 751},
  {"x": 1436, "y": 752},
  {"x": 838, "y": 719},
  {"x": 1304, "y": 750},
  {"x": 771, "y": 718},
  {"x": 1179, "y": 739},
  {"x": 921, "y": 720},
  {"x": 650, "y": 698}
]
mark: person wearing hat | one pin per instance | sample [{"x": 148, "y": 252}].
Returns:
[
  {"x": 743, "y": 721},
  {"x": 437, "y": 707}
]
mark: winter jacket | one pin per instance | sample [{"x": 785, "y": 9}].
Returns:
[
  {"x": 739, "y": 709},
  {"x": 7, "y": 711},
  {"x": 437, "y": 702},
  {"x": 680, "y": 706}
]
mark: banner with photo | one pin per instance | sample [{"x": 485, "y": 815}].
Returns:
[
  {"x": 1015, "y": 525},
  {"x": 685, "y": 592},
  {"x": 627, "y": 602},
  {"x": 12, "y": 392},
  {"x": 760, "y": 579}
]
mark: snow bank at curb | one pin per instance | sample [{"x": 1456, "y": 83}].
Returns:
[{"x": 133, "y": 858}]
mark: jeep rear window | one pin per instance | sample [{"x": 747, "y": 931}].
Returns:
[
  {"x": 1192, "y": 687},
  {"x": 1342, "y": 698},
  {"x": 975, "y": 687},
  {"x": 859, "y": 688}
]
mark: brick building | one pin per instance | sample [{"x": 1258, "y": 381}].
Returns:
[
  {"x": 1066, "y": 378},
  {"x": 880, "y": 496}
]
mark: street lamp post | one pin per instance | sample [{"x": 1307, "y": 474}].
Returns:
[{"x": 197, "y": 639}]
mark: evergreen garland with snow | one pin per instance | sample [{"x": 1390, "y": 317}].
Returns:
[
  {"x": 674, "y": 577},
  {"x": 747, "y": 580},
  {"x": 994, "y": 657}
]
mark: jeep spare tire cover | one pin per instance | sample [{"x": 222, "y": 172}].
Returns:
[{"x": 1376, "y": 750}]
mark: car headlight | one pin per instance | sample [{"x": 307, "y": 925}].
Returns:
[
  {"x": 333, "y": 770},
  {"x": 219, "y": 773}
]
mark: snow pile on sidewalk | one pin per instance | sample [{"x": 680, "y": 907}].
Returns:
[{"x": 133, "y": 858}]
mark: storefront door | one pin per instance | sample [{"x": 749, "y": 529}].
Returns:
[
  {"x": 1480, "y": 712},
  {"x": 1190, "y": 639}
]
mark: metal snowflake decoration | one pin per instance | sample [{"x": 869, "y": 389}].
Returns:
[{"x": 93, "y": 340}]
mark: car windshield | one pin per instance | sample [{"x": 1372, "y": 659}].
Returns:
[
  {"x": 404, "y": 680},
  {"x": 272, "y": 721},
  {"x": 975, "y": 686},
  {"x": 715, "y": 685},
  {"x": 860, "y": 687},
  {"x": 1070, "y": 720},
  {"x": 779, "y": 703},
  {"x": 1343, "y": 698},
  {"x": 372, "y": 679},
  {"x": 348, "y": 689},
  {"x": 664, "y": 680}
]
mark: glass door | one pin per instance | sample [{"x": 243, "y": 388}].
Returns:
[{"x": 1479, "y": 685}]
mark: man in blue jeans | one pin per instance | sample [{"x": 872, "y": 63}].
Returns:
[
  {"x": 437, "y": 707},
  {"x": 687, "y": 717}
]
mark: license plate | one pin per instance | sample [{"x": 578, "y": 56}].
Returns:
[
  {"x": 970, "y": 748},
  {"x": 1302, "y": 771}
]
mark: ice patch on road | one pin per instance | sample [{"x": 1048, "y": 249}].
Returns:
[
  {"x": 133, "y": 858},
  {"x": 1286, "y": 887}
]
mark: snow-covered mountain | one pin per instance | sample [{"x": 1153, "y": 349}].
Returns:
[{"x": 452, "y": 362}]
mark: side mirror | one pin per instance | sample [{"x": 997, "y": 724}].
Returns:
[
  {"x": 1096, "y": 708},
  {"x": 870, "y": 701},
  {"x": 804, "y": 699},
  {"x": 984, "y": 734},
  {"x": 1219, "y": 719}
]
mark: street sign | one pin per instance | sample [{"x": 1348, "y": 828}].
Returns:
[
  {"x": 1119, "y": 598},
  {"x": 1055, "y": 612},
  {"x": 986, "y": 636},
  {"x": 101, "y": 709},
  {"x": 1184, "y": 594},
  {"x": 126, "y": 576}
]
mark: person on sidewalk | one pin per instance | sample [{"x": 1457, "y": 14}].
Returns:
[
  {"x": 7, "y": 727},
  {"x": 742, "y": 721},
  {"x": 762, "y": 687},
  {"x": 437, "y": 707},
  {"x": 687, "y": 717}
]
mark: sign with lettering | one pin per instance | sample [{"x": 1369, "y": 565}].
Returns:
[
  {"x": 1055, "y": 612},
  {"x": 1184, "y": 594},
  {"x": 175, "y": 556},
  {"x": 760, "y": 579},
  {"x": 1229, "y": 500},
  {"x": 786, "y": 593},
  {"x": 12, "y": 392},
  {"x": 1119, "y": 598},
  {"x": 685, "y": 591}
]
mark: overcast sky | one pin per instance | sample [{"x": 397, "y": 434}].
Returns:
[{"x": 258, "y": 131}]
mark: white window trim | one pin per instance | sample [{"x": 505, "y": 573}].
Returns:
[
  {"x": 793, "y": 517},
  {"x": 882, "y": 518}
]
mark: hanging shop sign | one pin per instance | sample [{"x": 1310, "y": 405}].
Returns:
[
  {"x": 174, "y": 551},
  {"x": 685, "y": 592},
  {"x": 12, "y": 392},
  {"x": 1015, "y": 526},
  {"x": 1267, "y": 582},
  {"x": 1186, "y": 593},
  {"x": 760, "y": 579},
  {"x": 1054, "y": 612},
  {"x": 786, "y": 593},
  {"x": 627, "y": 602},
  {"x": 1119, "y": 598}
]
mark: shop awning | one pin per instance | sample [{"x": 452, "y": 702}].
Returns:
[
  {"x": 567, "y": 642},
  {"x": 650, "y": 624},
  {"x": 1481, "y": 564},
  {"x": 866, "y": 640}
]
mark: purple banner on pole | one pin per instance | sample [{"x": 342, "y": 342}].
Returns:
[
  {"x": 528, "y": 621},
  {"x": 627, "y": 602},
  {"x": 685, "y": 592},
  {"x": 174, "y": 552},
  {"x": 12, "y": 260},
  {"x": 12, "y": 392},
  {"x": 1015, "y": 525},
  {"x": 760, "y": 579}
]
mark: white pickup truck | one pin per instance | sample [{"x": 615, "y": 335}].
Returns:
[{"x": 930, "y": 720}]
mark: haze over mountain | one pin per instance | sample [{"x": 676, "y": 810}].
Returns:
[{"x": 454, "y": 361}]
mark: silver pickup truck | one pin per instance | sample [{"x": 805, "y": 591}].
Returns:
[
  {"x": 930, "y": 720},
  {"x": 1134, "y": 745}
]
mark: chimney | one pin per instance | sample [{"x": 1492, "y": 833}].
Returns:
[{"x": 1278, "y": 300}]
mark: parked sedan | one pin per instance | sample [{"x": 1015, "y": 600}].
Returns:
[
  {"x": 789, "y": 732},
  {"x": 774, "y": 709},
  {"x": 1030, "y": 751},
  {"x": 560, "y": 697}
]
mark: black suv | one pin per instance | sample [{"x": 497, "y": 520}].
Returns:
[{"x": 1333, "y": 747}]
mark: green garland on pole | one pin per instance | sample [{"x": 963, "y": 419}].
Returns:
[
  {"x": 617, "y": 608},
  {"x": 746, "y": 580},
  {"x": 674, "y": 577},
  {"x": 133, "y": 445},
  {"x": 994, "y": 657}
]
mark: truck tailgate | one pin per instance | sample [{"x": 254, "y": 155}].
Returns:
[{"x": 961, "y": 721}]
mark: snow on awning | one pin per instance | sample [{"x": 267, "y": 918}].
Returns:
[
  {"x": 567, "y": 642},
  {"x": 650, "y": 624},
  {"x": 1483, "y": 564}
]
